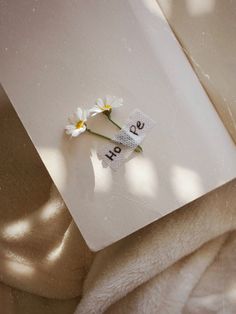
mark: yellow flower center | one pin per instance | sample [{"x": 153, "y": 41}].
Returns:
[
  {"x": 107, "y": 107},
  {"x": 79, "y": 124}
]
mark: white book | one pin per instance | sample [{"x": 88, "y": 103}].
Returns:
[{"x": 57, "y": 55}]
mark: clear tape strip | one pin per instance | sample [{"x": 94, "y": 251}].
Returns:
[{"x": 127, "y": 139}]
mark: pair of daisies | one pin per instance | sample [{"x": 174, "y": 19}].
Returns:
[{"x": 77, "y": 123}]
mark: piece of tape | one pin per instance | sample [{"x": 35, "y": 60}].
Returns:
[{"x": 127, "y": 139}]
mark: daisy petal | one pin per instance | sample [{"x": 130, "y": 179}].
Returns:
[
  {"x": 98, "y": 107},
  {"x": 85, "y": 115},
  {"x": 79, "y": 131},
  {"x": 83, "y": 129},
  {"x": 99, "y": 102},
  {"x": 79, "y": 113},
  {"x": 94, "y": 114},
  {"x": 95, "y": 110},
  {"x": 75, "y": 133},
  {"x": 69, "y": 129},
  {"x": 109, "y": 100}
]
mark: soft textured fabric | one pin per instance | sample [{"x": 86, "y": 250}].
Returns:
[
  {"x": 41, "y": 248},
  {"x": 156, "y": 269}
]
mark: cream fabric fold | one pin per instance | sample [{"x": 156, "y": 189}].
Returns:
[
  {"x": 41, "y": 249},
  {"x": 139, "y": 258}
]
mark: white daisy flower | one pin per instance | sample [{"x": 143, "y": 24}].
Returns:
[
  {"x": 106, "y": 105},
  {"x": 77, "y": 123}
]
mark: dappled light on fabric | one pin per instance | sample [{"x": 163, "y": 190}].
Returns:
[
  {"x": 16, "y": 229},
  {"x": 52, "y": 208},
  {"x": 196, "y": 7},
  {"x": 20, "y": 269},
  {"x": 56, "y": 252}
]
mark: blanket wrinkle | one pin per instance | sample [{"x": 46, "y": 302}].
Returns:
[
  {"x": 14, "y": 301},
  {"x": 169, "y": 291},
  {"x": 190, "y": 227},
  {"x": 40, "y": 276},
  {"x": 6, "y": 300},
  {"x": 215, "y": 292},
  {"x": 42, "y": 250}
]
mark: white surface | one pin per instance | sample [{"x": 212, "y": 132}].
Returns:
[{"x": 60, "y": 54}]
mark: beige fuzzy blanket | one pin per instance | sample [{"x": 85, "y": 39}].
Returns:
[{"x": 183, "y": 263}]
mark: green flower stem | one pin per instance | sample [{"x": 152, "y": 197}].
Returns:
[
  {"x": 100, "y": 135},
  {"x": 117, "y": 125},
  {"x": 108, "y": 138},
  {"x": 139, "y": 148}
]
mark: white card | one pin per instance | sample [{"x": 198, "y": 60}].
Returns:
[{"x": 57, "y": 55}]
